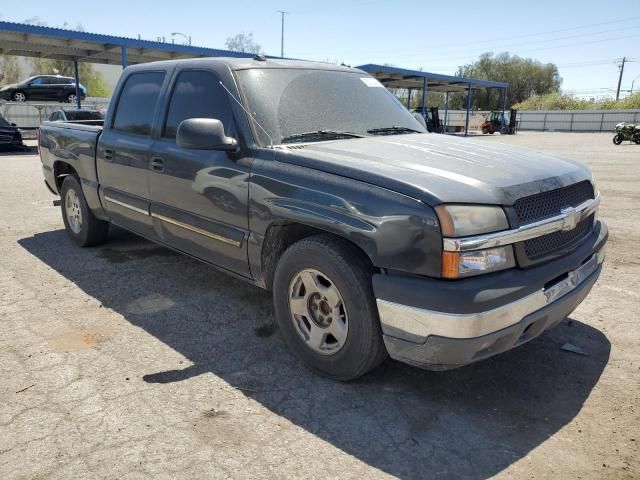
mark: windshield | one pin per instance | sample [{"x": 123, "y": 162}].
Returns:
[
  {"x": 316, "y": 105},
  {"x": 77, "y": 115}
]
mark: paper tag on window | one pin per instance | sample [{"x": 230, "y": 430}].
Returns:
[{"x": 371, "y": 82}]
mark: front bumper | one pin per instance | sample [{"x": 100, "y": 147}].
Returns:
[{"x": 439, "y": 324}]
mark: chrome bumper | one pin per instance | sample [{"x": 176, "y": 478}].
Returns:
[{"x": 417, "y": 322}]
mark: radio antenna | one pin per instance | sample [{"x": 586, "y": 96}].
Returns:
[{"x": 248, "y": 113}]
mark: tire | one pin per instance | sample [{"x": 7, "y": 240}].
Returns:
[
  {"x": 617, "y": 139},
  {"x": 330, "y": 265},
  {"x": 79, "y": 222},
  {"x": 504, "y": 130},
  {"x": 19, "y": 97},
  {"x": 485, "y": 131},
  {"x": 71, "y": 98}
]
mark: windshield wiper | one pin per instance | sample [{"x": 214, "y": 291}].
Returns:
[
  {"x": 319, "y": 135},
  {"x": 391, "y": 130}
]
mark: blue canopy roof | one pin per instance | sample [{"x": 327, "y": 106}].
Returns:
[
  {"x": 59, "y": 43},
  {"x": 394, "y": 77}
]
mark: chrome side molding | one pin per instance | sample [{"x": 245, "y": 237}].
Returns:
[
  {"x": 126, "y": 205},
  {"x": 198, "y": 230}
]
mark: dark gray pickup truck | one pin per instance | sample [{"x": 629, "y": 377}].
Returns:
[{"x": 313, "y": 181}]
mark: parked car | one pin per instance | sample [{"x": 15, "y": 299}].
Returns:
[
  {"x": 83, "y": 116},
  {"x": 43, "y": 88},
  {"x": 10, "y": 137},
  {"x": 313, "y": 181}
]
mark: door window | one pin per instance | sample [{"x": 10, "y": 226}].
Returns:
[
  {"x": 137, "y": 103},
  {"x": 197, "y": 94}
]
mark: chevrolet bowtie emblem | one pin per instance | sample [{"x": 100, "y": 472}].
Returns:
[{"x": 571, "y": 220}]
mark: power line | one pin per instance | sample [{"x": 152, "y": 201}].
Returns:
[
  {"x": 506, "y": 39},
  {"x": 554, "y": 47}
]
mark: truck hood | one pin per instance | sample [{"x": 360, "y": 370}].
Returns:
[{"x": 440, "y": 168}]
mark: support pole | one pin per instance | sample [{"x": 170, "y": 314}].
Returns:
[
  {"x": 446, "y": 110},
  {"x": 466, "y": 122},
  {"x": 123, "y": 53},
  {"x": 424, "y": 98},
  {"x": 504, "y": 107},
  {"x": 77, "y": 77}
]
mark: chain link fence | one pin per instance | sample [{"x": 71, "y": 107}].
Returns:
[{"x": 29, "y": 115}]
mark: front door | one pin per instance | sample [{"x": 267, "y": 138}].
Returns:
[
  {"x": 124, "y": 152},
  {"x": 199, "y": 197},
  {"x": 37, "y": 89}
]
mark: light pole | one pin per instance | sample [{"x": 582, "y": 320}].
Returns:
[
  {"x": 282, "y": 14},
  {"x": 632, "y": 83},
  {"x": 188, "y": 39}
]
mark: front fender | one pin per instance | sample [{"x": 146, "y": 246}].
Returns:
[{"x": 396, "y": 232}]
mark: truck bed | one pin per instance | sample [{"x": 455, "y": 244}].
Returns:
[{"x": 74, "y": 143}]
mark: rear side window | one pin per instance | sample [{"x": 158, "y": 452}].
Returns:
[
  {"x": 137, "y": 103},
  {"x": 197, "y": 94}
]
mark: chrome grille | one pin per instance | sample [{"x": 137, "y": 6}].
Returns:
[
  {"x": 540, "y": 246},
  {"x": 548, "y": 204}
]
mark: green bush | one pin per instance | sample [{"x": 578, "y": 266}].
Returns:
[{"x": 557, "y": 101}]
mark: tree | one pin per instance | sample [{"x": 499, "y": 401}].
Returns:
[
  {"x": 92, "y": 80},
  {"x": 10, "y": 71},
  {"x": 526, "y": 77},
  {"x": 244, "y": 43}
]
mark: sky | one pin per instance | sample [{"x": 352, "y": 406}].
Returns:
[{"x": 583, "y": 38}]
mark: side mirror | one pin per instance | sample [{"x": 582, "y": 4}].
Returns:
[{"x": 204, "y": 134}]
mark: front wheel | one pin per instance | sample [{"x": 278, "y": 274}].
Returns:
[
  {"x": 325, "y": 307},
  {"x": 80, "y": 223},
  {"x": 71, "y": 98},
  {"x": 617, "y": 139},
  {"x": 485, "y": 130},
  {"x": 19, "y": 97}
]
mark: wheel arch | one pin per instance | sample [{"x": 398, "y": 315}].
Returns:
[
  {"x": 60, "y": 170},
  {"x": 281, "y": 235}
]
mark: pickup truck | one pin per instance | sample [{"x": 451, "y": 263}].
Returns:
[{"x": 311, "y": 180}]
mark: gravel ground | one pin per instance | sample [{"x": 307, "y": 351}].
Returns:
[{"x": 130, "y": 361}]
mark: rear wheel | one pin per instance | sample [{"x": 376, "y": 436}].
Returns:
[
  {"x": 617, "y": 139},
  {"x": 485, "y": 130},
  {"x": 19, "y": 97},
  {"x": 326, "y": 309},
  {"x": 81, "y": 225},
  {"x": 71, "y": 98}
]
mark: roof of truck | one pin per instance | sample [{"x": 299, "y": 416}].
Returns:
[{"x": 247, "y": 63}]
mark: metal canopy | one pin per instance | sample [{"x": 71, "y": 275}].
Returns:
[
  {"x": 72, "y": 45},
  {"x": 393, "y": 77}
]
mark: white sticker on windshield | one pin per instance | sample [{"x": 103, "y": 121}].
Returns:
[{"x": 371, "y": 82}]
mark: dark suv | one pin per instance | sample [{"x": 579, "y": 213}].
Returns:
[{"x": 43, "y": 87}]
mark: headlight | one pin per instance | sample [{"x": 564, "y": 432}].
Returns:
[
  {"x": 466, "y": 264},
  {"x": 464, "y": 220}
]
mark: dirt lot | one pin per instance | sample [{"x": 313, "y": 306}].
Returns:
[{"x": 130, "y": 361}]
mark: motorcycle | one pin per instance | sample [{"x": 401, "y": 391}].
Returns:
[{"x": 627, "y": 131}]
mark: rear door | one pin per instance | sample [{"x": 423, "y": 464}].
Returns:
[
  {"x": 199, "y": 197},
  {"x": 124, "y": 151}
]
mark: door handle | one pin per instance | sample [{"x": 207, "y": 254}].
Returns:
[
  {"x": 157, "y": 164},
  {"x": 108, "y": 155}
]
